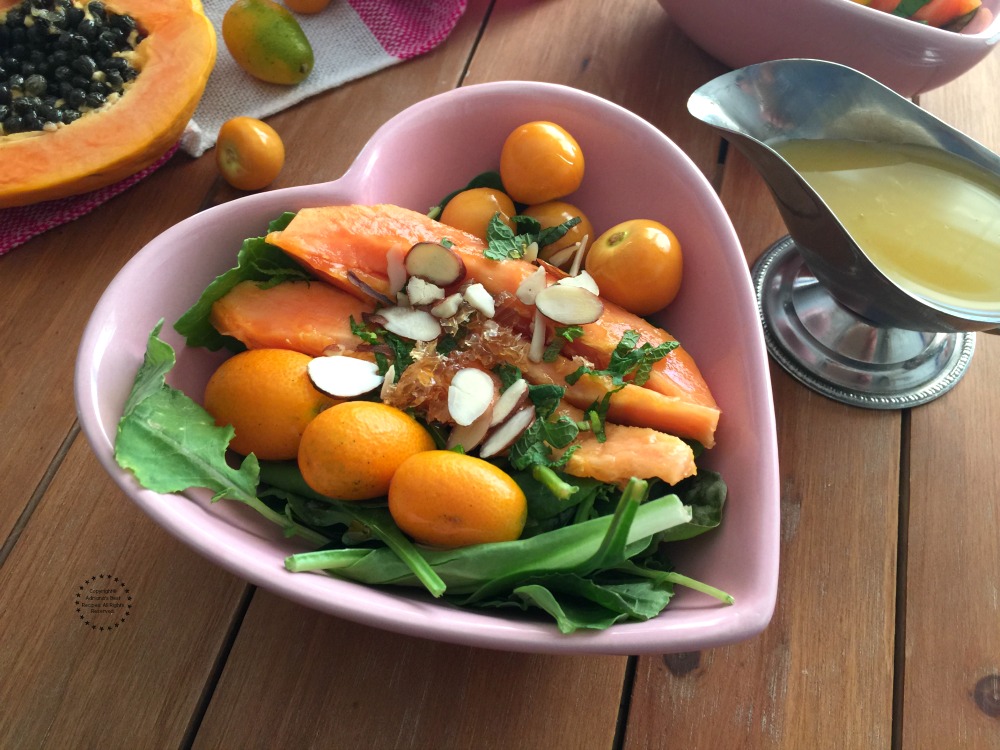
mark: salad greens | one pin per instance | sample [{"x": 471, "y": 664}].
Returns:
[{"x": 591, "y": 554}]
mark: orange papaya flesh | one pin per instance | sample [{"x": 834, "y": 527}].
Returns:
[
  {"x": 628, "y": 452},
  {"x": 312, "y": 318},
  {"x": 336, "y": 239},
  {"x": 632, "y": 405},
  {"x": 125, "y": 135}
]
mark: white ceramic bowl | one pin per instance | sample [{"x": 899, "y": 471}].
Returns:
[
  {"x": 907, "y": 56},
  {"x": 413, "y": 160}
]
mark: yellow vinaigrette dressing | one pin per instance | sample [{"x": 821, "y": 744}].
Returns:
[{"x": 929, "y": 220}]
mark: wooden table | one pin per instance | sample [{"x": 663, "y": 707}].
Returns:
[{"x": 887, "y": 628}]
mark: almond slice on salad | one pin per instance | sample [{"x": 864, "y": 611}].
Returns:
[
  {"x": 435, "y": 263},
  {"x": 583, "y": 280},
  {"x": 396, "y": 268},
  {"x": 410, "y": 323},
  {"x": 536, "y": 350},
  {"x": 447, "y": 307},
  {"x": 471, "y": 392},
  {"x": 569, "y": 305},
  {"x": 388, "y": 383},
  {"x": 533, "y": 283},
  {"x": 343, "y": 377},
  {"x": 510, "y": 400},
  {"x": 530, "y": 253},
  {"x": 470, "y": 436},
  {"x": 581, "y": 248},
  {"x": 477, "y": 296},
  {"x": 506, "y": 434},
  {"x": 564, "y": 256},
  {"x": 421, "y": 292}
]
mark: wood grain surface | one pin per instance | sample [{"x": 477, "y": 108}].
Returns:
[{"x": 887, "y": 628}]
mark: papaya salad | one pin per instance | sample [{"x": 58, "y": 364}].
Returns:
[
  {"x": 466, "y": 400},
  {"x": 952, "y": 15}
]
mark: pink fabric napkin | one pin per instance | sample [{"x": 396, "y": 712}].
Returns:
[{"x": 350, "y": 39}]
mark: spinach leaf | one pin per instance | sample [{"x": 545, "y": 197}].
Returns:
[
  {"x": 172, "y": 444},
  {"x": 376, "y": 520},
  {"x": 575, "y": 602},
  {"x": 482, "y": 571},
  {"x": 705, "y": 493}
]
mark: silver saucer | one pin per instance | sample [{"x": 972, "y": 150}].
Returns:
[{"x": 835, "y": 352}]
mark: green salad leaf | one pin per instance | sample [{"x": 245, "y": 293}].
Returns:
[{"x": 172, "y": 444}]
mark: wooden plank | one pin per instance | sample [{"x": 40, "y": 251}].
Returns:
[
  {"x": 951, "y": 695},
  {"x": 49, "y": 287},
  {"x": 297, "y": 678},
  {"x": 135, "y": 683},
  {"x": 627, "y": 52},
  {"x": 821, "y": 675}
]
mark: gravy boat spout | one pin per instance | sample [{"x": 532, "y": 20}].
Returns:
[{"x": 857, "y": 329}]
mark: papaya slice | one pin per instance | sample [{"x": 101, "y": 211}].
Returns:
[
  {"x": 336, "y": 241},
  {"x": 168, "y": 70},
  {"x": 632, "y": 405},
  {"x": 628, "y": 452},
  {"x": 312, "y": 318}
]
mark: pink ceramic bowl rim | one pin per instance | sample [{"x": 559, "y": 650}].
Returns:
[
  {"x": 990, "y": 34},
  {"x": 190, "y": 519}
]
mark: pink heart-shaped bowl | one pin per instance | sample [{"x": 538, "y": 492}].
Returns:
[
  {"x": 421, "y": 155},
  {"x": 905, "y": 55}
]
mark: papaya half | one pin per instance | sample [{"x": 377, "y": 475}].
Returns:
[{"x": 65, "y": 128}]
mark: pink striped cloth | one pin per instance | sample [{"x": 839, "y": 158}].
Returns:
[{"x": 350, "y": 39}]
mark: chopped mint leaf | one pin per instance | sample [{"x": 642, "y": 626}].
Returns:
[{"x": 628, "y": 361}]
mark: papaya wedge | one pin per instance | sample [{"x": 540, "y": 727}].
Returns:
[
  {"x": 312, "y": 318},
  {"x": 628, "y": 452},
  {"x": 336, "y": 242}
]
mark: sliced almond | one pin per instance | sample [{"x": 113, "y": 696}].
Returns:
[
  {"x": 477, "y": 296},
  {"x": 470, "y": 436},
  {"x": 388, "y": 383},
  {"x": 506, "y": 434},
  {"x": 511, "y": 399},
  {"x": 536, "y": 350},
  {"x": 581, "y": 248},
  {"x": 583, "y": 280},
  {"x": 563, "y": 257},
  {"x": 422, "y": 292},
  {"x": 471, "y": 392},
  {"x": 435, "y": 263},
  {"x": 410, "y": 323},
  {"x": 530, "y": 253},
  {"x": 396, "y": 268},
  {"x": 533, "y": 283},
  {"x": 343, "y": 377},
  {"x": 569, "y": 305},
  {"x": 448, "y": 306}
]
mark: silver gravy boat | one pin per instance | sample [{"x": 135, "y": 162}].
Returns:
[{"x": 831, "y": 318}]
